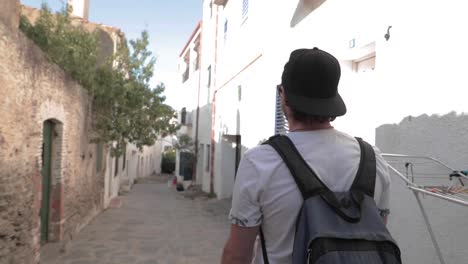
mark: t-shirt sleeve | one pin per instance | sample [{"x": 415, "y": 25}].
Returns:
[
  {"x": 382, "y": 183},
  {"x": 245, "y": 210}
]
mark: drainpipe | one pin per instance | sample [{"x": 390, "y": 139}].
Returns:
[
  {"x": 195, "y": 161},
  {"x": 213, "y": 109}
]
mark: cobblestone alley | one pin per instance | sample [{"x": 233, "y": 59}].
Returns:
[{"x": 155, "y": 225}]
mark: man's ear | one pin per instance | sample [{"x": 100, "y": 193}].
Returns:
[{"x": 286, "y": 109}]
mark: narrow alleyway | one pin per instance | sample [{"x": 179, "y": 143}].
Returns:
[{"x": 155, "y": 225}]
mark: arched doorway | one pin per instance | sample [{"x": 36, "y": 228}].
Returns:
[{"x": 46, "y": 179}]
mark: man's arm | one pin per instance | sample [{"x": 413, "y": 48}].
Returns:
[
  {"x": 383, "y": 174},
  {"x": 240, "y": 244}
]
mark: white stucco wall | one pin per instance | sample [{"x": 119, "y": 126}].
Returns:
[
  {"x": 224, "y": 183},
  {"x": 412, "y": 67},
  {"x": 139, "y": 164},
  {"x": 244, "y": 39},
  {"x": 418, "y": 70},
  {"x": 204, "y": 139},
  {"x": 111, "y": 181},
  {"x": 251, "y": 117},
  {"x": 208, "y": 32},
  {"x": 190, "y": 86},
  {"x": 80, "y": 8},
  {"x": 442, "y": 137}
]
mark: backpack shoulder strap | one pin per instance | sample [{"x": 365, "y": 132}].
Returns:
[
  {"x": 365, "y": 176},
  {"x": 306, "y": 179}
]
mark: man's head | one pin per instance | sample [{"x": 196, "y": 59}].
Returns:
[{"x": 310, "y": 85}]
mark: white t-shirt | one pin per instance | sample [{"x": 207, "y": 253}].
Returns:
[{"x": 266, "y": 193}]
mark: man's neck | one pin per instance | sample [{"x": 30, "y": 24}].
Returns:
[{"x": 298, "y": 126}]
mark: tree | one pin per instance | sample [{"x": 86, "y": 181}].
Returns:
[
  {"x": 136, "y": 113},
  {"x": 185, "y": 143},
  {"x": 125, "y": 108}
]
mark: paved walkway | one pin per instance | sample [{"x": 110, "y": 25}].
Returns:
[{"x": 155, "y": 225}]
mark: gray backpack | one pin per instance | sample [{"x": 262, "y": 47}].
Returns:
[{"x": 336, "y": 227}]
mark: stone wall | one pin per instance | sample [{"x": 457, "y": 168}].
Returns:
[
  {"x": 33, "y": 91},
  {"x": 109, "y": 37},
  {"x": 9, "y": 13}
]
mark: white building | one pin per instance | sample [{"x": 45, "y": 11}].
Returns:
[
  {"x": 398, "y": 58},
  {"x": 246, "y": 43},
  {"x": 190, "y": 70}
]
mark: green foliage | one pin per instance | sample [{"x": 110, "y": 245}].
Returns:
[
  {"x": 211, "y": 195},
  {"x": 185, "y": 143},
  {"x": 71, "y": 47},
  {"x": 126, "y": 108},
  {"x": 168, "y": 161}
]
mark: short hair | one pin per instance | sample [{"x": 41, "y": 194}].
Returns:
[{"x": 308, "y": 118}]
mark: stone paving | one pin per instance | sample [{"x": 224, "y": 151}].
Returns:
[{"x": 155, "y": 225}]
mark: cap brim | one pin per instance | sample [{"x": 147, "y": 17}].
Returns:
[{"x": 332, "y": 107}]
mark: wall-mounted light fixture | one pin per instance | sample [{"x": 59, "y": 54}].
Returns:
[{"x": 387, "y": 36}]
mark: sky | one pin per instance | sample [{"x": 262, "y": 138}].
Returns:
[{"x": 169, "y": 23}]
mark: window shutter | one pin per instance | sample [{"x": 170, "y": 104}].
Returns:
[
  {"x": 281, "y": 124},
  {"x": 245, "y": 8}
]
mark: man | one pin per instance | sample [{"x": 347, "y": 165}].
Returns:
[{"x": 265, "y": 193}]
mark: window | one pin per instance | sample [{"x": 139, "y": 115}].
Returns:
[
  {"x": 185, "y": 75},
  {"x": 208, "y": 85},
  {"x": 281, "y": 124},
  {"x": 245, "y": 9},
  {"x": 98, "y": 157},
  {"x": 196, "y": 50},
  {"x": 225, "y": 30},
  {"x": 183, "y": 116},
  {"x": 208, "y": 158}
]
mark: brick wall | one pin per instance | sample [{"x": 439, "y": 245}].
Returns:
[{"x": 34, "y": 91}]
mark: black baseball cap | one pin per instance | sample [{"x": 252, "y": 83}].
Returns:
[{"x": 310, "y": 82}]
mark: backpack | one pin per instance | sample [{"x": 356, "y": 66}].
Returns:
[{"x": 335, "y": 227}]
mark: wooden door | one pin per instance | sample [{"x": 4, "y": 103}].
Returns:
[{"x": 46, "y": 177}]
